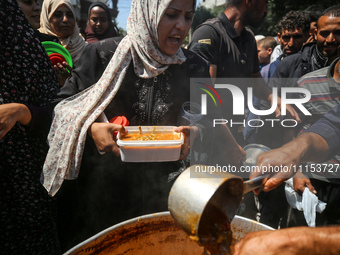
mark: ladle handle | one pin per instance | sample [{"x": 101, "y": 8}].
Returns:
[{"x": 253, "y": 183}]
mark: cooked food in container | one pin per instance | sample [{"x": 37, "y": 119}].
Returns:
[{"x": 150, "y": 144}]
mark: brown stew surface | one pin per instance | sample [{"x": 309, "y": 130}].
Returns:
[{"x": 151, "y": 137}]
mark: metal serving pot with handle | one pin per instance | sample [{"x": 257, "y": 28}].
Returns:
[{"x": 202, "y": 196}]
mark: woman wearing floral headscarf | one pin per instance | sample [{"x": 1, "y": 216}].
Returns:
[
  {"x": 28, "y": 83},
  {"x": 58, "y": 19},
  {"x": 156, "y": 30},
  {"x": 147, "y": 81},
  {"x": 100, "y": 25}
]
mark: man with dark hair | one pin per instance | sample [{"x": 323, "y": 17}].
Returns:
[
  {"x": 312, "y": 56},
  {"x": 227, "y": 43},
  {"x": 324, "y": 86},
  {"x": 231, "y": 49},
  {"x": 293, "y": 33},
  {"x": 318, "y": 143}
]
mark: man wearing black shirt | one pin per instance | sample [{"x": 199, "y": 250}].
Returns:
[{"x": 231, "y": 49}]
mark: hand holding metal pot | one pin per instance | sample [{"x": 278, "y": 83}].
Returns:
[{"x": 273, "y": 162}]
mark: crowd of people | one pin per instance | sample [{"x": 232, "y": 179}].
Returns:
[{"x": 62, "y": 180}]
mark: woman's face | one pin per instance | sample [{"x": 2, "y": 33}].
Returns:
[
  {"x": 62, "y": 21},
  {"x": 98, "y": 20},
  {"x": 32, "y": 10},
  {"x": 174, "y": 25}
]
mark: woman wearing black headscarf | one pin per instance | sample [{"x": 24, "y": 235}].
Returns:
[
  {"x": 27, "y": 84},
  {"x": 100, "y": 25}
]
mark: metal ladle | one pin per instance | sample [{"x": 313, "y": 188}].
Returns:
[
  {"x": 189, "y": 196},
  {"x": 199, "y": 200}
]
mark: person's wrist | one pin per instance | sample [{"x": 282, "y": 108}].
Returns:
[
  {"x": 304, "y": 143},
  {"x": 89, "y": 130},
  {"x": 296, "y": 149},
  {"x": 24, "y": 115}
]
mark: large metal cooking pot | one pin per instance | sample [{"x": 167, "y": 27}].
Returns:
[{"x": 153, "y": 234}]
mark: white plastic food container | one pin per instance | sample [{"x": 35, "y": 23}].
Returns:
[{"x": 150, "y": 151}]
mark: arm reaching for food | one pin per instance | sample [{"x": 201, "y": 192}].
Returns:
[
  {"x": 306, "y": 147},
  {"x": 291, "y": 241}
]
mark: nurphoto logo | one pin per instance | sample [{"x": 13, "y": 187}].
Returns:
[{"x": 225, "y": 92}]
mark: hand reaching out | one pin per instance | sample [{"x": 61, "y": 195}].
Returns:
[{"x": 63, "y": 72}]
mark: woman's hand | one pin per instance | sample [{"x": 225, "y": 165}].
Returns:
[
  {"x": 63, "y": 72},
  {"x": 102, "y": 135},
  {"x": 11, "y": 114},
  {"x": 186, "y": 130}
]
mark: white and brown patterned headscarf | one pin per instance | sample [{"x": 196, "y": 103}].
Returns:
[
  {"x": 75, "y": 43},
  {"x": 74, "y": 115}
]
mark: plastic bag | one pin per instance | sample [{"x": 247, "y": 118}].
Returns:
[{"x": 308, "y": 202}]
